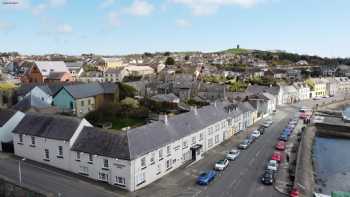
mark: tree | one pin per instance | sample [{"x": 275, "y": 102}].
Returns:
[
  {"x": 169, "y": 61},
  {"x": 130, "y": 102},
  {"x": 167, "y": 53},
  {"x": 126, "y": 90}
]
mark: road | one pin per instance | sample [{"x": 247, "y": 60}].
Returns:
[
  {"x": 241, "y": 178},
  {"x": 51, "y": 181}
]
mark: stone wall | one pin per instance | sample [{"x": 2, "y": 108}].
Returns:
[{"x": 8, "y": 189}]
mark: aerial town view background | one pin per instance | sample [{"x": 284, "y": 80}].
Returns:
[{"x": 174, "y": 98}]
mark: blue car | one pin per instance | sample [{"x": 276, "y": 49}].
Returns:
[
  {"x": 284, "y": 137},
  {"x": 206, "y": 177}
]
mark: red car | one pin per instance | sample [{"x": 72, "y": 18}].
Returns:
[
  {"x": 277, "y": 156},
  {"x": 280, "y": 145},
  {"x": 294, "y": 192}
]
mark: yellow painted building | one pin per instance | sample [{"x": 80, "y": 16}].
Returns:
[
  {"x": 112, "y": 63},
  {"x": 320, "y": 87}
]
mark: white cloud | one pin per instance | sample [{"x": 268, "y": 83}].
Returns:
[
  {"x": 113, "y": 19},
  {"x": 183, "y": 23},
  {"x": 140, "y": 8},
  {"x": 107, "y": 3},
  {"x": 64, "y": 28},
  {"x": 207, "y": 7},
  {"x": 57, "y": 3},
  {"x": 38, "y": 9},
  {"x": 20, "y": 5}
]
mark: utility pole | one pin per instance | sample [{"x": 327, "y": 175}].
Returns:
[{"x": 20, "y": 170}]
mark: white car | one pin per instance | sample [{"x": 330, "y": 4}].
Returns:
[
  {"x": 272, "y": 165},
  {"x": 233, "y": 154},
  {"x": 221, "y": 164},
  {"x": 256, "y": 134}
]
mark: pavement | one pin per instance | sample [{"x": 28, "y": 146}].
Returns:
[{"x": 241, "y": 178}]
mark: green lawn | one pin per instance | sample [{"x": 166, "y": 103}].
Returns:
[
  {"x": 237, "y": 51},
  {"x": 120, "y": 123}
]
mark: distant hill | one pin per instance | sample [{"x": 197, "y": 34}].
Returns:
[{"x": 284, "y": 58}]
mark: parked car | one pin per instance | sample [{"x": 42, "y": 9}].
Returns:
[
  {"x": 267, "y": 177},
  {"x": 266, "y": 124},
  {"x": 255, "y": 134},
  {"x": 272, "y": 165},
  {"x": 251, "y": 138},
  {"x": 283, "y": 137},
  {"x": 244, "y": 144},
  {"x": 261, "y": 129},
  {"x": 277, "y": 156},
  {"x": 233, "y": 154},
  {"x": 280, "y": 145},
  {"x": 206, "y": 177},
  {"x": 294, "y": 193},
  {"x": 221, "y": 164}
]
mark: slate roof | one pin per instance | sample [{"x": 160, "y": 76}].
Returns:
[
  {"x": 46, "y": 67},
  {"x": 109, "y": 88},
  {"x": 48, "y": 126},
  {"x": 56, "y": 75},
  {"x": 85, "y": 90},
  {"x": 136, "y": 142},
  {"x": 98, "y": 141},
  {"x": 164, "y": 97},
  {"x": 6, "y": 115},
  {"x": 256, "y": 89},
  {"x": 28, "y": 102},
  {"x": 152, "y": 136},
  {"x": 74, "y": 65}
]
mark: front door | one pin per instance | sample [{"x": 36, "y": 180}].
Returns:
[
  {"x": 194, "y": 155},
  {"x": 103, "y": 177}
]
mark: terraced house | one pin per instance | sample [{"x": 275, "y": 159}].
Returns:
[{"x": 129, "y": 159}]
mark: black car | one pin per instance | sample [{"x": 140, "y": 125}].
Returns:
[
  {"x": 261, "y": 130},
  {"x": 267, "y": 177}
]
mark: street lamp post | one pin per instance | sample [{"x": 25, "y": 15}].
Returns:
[{"x": 19, "y": 170}]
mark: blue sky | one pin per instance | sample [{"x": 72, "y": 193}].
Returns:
[{"x": 320, "y": 27}]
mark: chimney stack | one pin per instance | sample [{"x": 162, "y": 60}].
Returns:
[
  {"x": 195, "y": 110},
  {"x": 165, "y": 119}
]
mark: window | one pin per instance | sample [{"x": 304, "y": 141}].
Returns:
[
  {"x": 152, "y": 158},
  {"x": 89, "y": 102},
  {"x": 20, "y": 138},
  {"x": 119, "y": 180},
  {"x": 184, "y": 144},
  {"x": 143, "y": 163},
  {"x": 90, "y": 158},
  {"x": 33, "y": 140},
  {"x": 60, "y": 152},
  {"x": 83, "y": 170},
  {"x": 160, "y": 154},
  {"x": 82, "y": 103},
  {"x": 168, "y": 164},
  {"x": 78, "y": 156},
  {"x": 105, "y": 163},
  {"x": 193, "y": 139},
  {"x": 216, "y": 139},
  {"x": 200, "y": 136},
  {"x": 159, "y": 169},
  {"x": 168, "y": 150},
  {"x": 140, "y": 178},
  {"x": 47, "y": 154},
  {"x": 210, "y": 142}
]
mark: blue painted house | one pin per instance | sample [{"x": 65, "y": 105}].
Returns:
[{"x": 80, "y": 99}]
